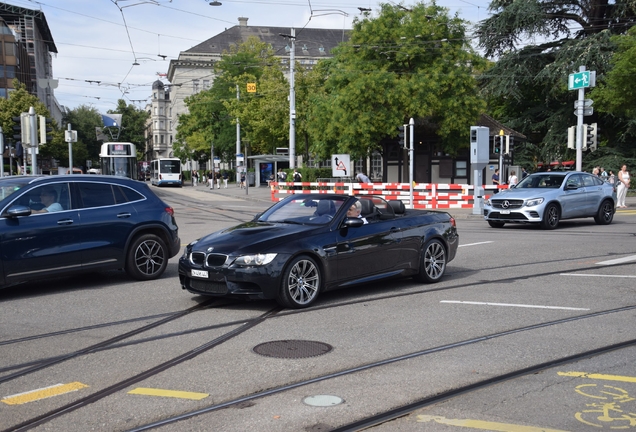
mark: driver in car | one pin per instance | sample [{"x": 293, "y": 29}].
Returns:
[{"x": 48, "y": 197}]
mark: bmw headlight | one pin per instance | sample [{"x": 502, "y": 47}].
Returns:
[
  {"x": 255, "y": 260},
  {"x": 188, "y": 248},
  {"x": 534, "y": 202}
]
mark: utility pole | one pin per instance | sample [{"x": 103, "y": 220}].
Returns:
[
  {"x": 292, "y": 102},
  {"x": 238, "y": 137},
  {"x": 33, "y": 124}
]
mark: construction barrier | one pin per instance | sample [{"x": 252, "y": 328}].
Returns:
[{"x": 425, "y": 195}]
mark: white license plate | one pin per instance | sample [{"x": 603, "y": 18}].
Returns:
[
  {"x": 200, "y": 273},
  {"x": 502, "y": 212}
]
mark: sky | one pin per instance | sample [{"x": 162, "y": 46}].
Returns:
[{"x": 99, "y": 40}]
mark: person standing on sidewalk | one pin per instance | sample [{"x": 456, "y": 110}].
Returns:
[
  {"x": 495, "y": 180},
  {"x": 623, "y": 185},
  {"x": 226, "y": 176},
  {"x": 195, "y": 177}
]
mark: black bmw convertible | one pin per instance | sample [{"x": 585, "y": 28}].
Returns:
[{"x": 307, "y": 244}]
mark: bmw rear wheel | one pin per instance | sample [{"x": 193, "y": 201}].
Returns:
[
  {"x": 147, "y": 257},
  {"x": 551, "y": 216},
  {"x": 300, "y": 284},
  {"x": 605, "y": 213},
  {"x": 433, "y": 262}
]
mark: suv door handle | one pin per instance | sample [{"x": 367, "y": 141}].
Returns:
[
  {"x": 123, "y": 215},
  {"x": 65, "y": 222}
]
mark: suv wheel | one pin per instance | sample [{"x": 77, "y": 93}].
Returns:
[{"x": 147, "y": 257}]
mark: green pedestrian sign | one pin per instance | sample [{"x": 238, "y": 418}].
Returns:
[{"x": 579, "y": 80}]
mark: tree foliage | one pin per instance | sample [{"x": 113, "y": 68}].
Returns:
[
  {"x": 84, "y": 119},
  {"x": 133, "y": 124},
  {"x": 527, "y": 86},
  {"x": 402, "y": 64}
]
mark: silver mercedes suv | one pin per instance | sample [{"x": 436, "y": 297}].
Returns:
[{"x": 548, "y": 197}]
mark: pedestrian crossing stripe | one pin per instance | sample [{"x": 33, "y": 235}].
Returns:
[
  {"x": 168, "y": 393},
  {"x": 43, "y": 393}
]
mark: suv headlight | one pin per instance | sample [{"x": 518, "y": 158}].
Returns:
[
  {"x": 255, "y": 260},
  {"x": 487, "y": 201},
  {"x": 533, "y": 202}
]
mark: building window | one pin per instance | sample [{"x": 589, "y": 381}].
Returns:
[
  {"x": 156, "y": 124},
  {"x": 155, "y": 110},
  {"x": 156, "y": 140},
  {"x": 376, "y": 167},
  {"x": 10, "y": 71},
  {"x": 170, "y": 113},
  {"x": 9, "y": 48},
  {"x": 461, "y": 168},
  {"x": 161, "y": 139},
  {"x": 206, "y": 84},
  {"x": 154, "y": 95},
  {"x": 170, "y": 124},
  {"x": 160, "y": 110},
  {"x": 195, "y": 86},
  {"x": 161, "y": 126}
]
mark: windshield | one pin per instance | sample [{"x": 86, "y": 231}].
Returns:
[
  {"x": 541, "y": 181},
  {"x": 303, "y": 209},
  {"x": 9, "y": 186}
]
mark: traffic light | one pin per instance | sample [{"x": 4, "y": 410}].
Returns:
[
  {"x": 590, "y": 139},
  {"x": 402, "y": 135},
  {"x": 496, "y": 145},
  {"x": 45, "y": 129},
  {"x": 22, "y": 130},
  {"x": 507, "y": 149},
  {"x": 572, "y": 137}
]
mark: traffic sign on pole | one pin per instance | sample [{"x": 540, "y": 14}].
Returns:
[{"x": 579, "y": 80}]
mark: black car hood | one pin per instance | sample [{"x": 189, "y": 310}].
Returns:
[{"x": 254, "y": 237}]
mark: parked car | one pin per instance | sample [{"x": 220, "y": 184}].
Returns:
[
  {"x": 306, "y": 244},
  {"x": 548, "y": 197},
  {"x": 59, "y": 225}
]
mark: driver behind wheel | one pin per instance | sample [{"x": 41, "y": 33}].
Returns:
[{"x": 48, "y": 197}]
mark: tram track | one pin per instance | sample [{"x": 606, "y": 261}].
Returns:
[
  {"x": 113, "y": 388},
  {"x": 112, "y": 343},
  {"x": 397, "y": 412}
]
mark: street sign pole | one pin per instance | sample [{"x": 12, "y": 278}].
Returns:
[{"x": 579, "y": 126}]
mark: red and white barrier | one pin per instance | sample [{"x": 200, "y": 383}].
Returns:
[{"x": 425, "y": 195}]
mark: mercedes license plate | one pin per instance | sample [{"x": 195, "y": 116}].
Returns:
[
  {"x": 200, "y": 273},
  {"x": 502, "y": 212}
]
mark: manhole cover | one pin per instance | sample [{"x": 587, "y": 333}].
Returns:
[{"x": 292, "y": 349}]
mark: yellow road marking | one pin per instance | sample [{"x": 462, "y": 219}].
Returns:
[
  {"x": 168, "y": 393},
  {"x": 43, "y": 393},
  {"x": 484, "y": 425},
  {"x": 599, "y": 376}
]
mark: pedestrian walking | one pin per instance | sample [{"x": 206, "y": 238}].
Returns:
[
  {"x": 225, "y": 176},
  {"x": 195, "y": 177}
]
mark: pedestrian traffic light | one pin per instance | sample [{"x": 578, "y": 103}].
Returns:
[
  {"x": 45, "y": 129},
  {"x": 590, "y": 136},
  {"x": 496, "y": 145}
]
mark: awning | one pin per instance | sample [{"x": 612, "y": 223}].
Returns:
[
  {"x": 555, "y": 163},
  {"x": 567, "y": 163}
]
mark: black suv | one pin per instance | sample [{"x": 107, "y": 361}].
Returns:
[{"x": 63, "y": 224}]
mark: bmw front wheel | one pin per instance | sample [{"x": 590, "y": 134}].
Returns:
[{"x": 300, "y": 284}]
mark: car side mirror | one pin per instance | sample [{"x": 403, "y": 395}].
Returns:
[
  {"x": 18, "y": 210},
  {"x": 352, "y": 222}
]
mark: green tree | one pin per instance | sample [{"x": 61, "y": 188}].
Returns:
[
  {"x": 19, "y": 101},
  {"x": 133, "y": 125},
  {"x": 537, "y": 44},
  {"x": 212, "y": 114},
  {"x": 404, "y": 63},
  {"x": 84, "y": 119}
]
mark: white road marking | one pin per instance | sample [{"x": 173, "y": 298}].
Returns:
[
  {"x": 597, "y": 275},
  {"x": 513, "y": 305},
  {"x": 474, "y": 244},
  {"x": 618, "y": 260}
]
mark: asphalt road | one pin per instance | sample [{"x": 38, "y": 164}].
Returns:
[{"x": 513, "y": 298}]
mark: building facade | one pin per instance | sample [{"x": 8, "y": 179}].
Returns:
[
  {"x": 30, "y": 58},
  {"x": 158, "y": 134}
]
